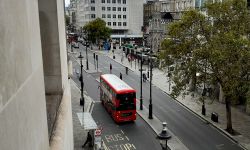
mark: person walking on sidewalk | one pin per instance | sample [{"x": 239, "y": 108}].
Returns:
[
  {"x": 120, "y": 75},
  {"x": 110, "y": 68},
  {"x": 144, "y": 77},
  {"x": 89, "y": 140}
]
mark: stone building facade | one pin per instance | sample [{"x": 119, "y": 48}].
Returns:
[{"x": 34, "y": 76}]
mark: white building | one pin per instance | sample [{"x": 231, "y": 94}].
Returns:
[
  {"x": 124, "y": 17},
  {"x": 72, "y": 8}
]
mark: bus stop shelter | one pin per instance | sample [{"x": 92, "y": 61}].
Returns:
[{"x": 89, "y": 124}]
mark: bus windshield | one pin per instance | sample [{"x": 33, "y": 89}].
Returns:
[{"x": 126, "y": 101}]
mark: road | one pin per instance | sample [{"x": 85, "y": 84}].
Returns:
[
  {"x": 191, "y": 130},
  {"x": 123, "y": 136}
]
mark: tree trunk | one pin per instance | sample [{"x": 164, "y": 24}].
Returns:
[
  {"x": 221, "y": 95},
  {"x": 248, "y": 105},
  {"x": 192, "y": 84},
  {"x": 229, "y": 117},
  {"x": 248, "y": 108}
]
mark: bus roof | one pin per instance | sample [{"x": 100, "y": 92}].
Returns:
[{"x": 117, "y": 84}]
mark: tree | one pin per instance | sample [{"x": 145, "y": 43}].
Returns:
[
  {"x": 67, "y": 20},
  {"x": 97, "y": 30},
  {"x": 216, "y": 46}
]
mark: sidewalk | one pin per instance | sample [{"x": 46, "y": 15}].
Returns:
[
  {"x": 79, "y": 133},
  {"x": 241, "y": 121}
]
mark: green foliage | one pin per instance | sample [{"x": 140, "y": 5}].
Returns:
[
  {"x": 97, "y": 30},
  {"x": 67, "y": 20},
  {"x": 215, "y": 45}
]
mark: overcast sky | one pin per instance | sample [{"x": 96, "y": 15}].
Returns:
[{"x": 66, "y": 2}]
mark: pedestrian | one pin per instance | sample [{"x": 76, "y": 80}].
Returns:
[
  {"x": 88, "y": 140},
  {"x": 120, "y": 75},
  {"x": 129, "y": 58},
  {"x": 144, "y": 77},
  {"x": 110, "y": 68}
]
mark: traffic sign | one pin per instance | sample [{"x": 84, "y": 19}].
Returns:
[{"x": 98, "y": 132}]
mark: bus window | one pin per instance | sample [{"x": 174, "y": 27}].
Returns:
[{"x": 126, "y": 101}]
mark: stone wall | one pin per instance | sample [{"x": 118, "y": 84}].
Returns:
[
  {"x": 23, "y": 120},
  {"x": 33, "y": 68}
]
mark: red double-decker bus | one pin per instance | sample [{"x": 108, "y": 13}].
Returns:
[{"x": 118, "y": 98}]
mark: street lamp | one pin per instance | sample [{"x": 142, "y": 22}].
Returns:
[
  {"x": 203, "y": 109},
  {"x": 164, "y": 136},
  {"x": 150, "y": 115},
  {"x": 81, "y": 80},
  {"x": 141, "y": 99},
  {"x": 148, "y": 66}
]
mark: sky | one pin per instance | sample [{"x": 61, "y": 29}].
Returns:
[{"x": 66, "y": 2}]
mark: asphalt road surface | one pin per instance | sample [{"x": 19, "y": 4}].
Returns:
[
  {"x": 123, "y": 136},
  {"x": 191, "y": 130}
]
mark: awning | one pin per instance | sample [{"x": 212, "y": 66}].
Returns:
[
  {"x": 126, "y": 36},
  {"x": 87, "y": 121}
]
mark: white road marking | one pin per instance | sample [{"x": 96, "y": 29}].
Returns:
[{"x": 122, "y": 132}]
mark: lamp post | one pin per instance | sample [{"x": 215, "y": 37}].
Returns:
[
  {"x": 150, "y": 115},
  {"x": 203, "y": 108},
  {"x": 148, "y": 65},
  {"x": 81, "y": 80},
  {"x": 94, "y": 60},
  {"x": 164, "y": 136},
  {"x": 96, "y": 57},
  {"x": 141, "y": 99}
]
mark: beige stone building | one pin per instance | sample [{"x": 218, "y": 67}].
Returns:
[{"x": 34, "y": 76}]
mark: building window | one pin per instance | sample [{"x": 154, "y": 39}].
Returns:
[
  {"x": 124, "y": 1},
  {"x": 113, "y": 1},
  {"x": 108, "y": 8},
  {"x": 92, "y": 15},
  {"x": 114, "y": 23},
  {"x": 124, "y": 9},
  {"x": 103, "y": 8},
  {"x": 109, "y": 16},
  {"x": 103, "y": 15},
  {"x": 119, "y": 24},
  {"x": 114, "y": 9},
  {"x": 119, "y": 16},
  {"x": 92, "y": 1},
  {"x": 124, "y": 23},
  {"x": 119, "y": 8},
  {"x": 109, "y": 23},
  {"x": 114, "y": 16},
  {"x": 119, "y": 1},
  {"x": 124, "y": 16},
  {"x": 103, "y": 1},
  {"x": 108, "y": 1},
  {"x": 92, "y": 8}
]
